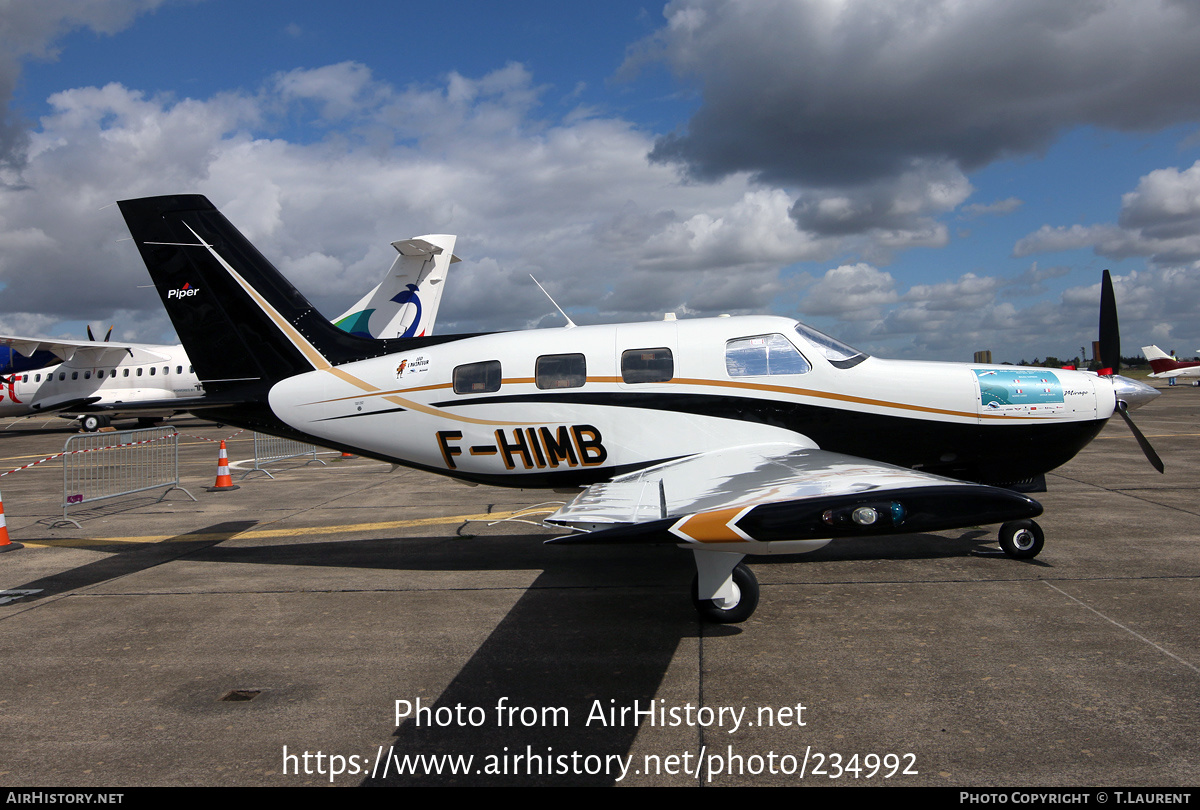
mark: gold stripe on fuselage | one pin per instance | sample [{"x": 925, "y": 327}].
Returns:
[{"x": 748, "y": 386}]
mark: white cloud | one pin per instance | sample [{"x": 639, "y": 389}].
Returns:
[
  {"x": 998, "y": 208},
  {"x": 855, "y": 292},
  {"x": 31, "y": 29},
  {"x": 1160, "y": 219},
  {"x": 1054, "y": 238},
  {"x": 969, "y": 292},
  {"x": 575, "y": 202}
]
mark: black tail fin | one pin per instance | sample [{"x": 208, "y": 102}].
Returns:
[{"x": 238, "y": 318}]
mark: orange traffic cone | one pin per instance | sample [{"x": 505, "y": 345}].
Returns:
[
  {"x": 348, "y": 455},
  {"x": 5, "y": 543},
  {"x": 224, "y": 481}
]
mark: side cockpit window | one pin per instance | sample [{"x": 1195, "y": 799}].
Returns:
[
  {"x": 561, "y": 371},
  {"x": 477, "y": 378},
  {"x": 647, "y": 366},
  {"x": 762, "y": 356}
]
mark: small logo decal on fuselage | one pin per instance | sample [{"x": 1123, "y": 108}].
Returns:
[{"x": 414, "y": 365}]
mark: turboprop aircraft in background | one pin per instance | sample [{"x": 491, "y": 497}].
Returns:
[
  {"x": 727, "y": 436},
  {"x": 94, "y": 381},
  {"x": 1164, "y": 365}
]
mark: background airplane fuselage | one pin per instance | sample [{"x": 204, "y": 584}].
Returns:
[
  {"x": 145, "y": 373},
  {"x": 994, "y": 424}
]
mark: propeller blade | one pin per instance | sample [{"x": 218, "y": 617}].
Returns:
[
  {"x": 1142, "y": 441},
  {"x": 1110, "y": 332},
  {"x": 91, "y": 337},
  {"x": 109, "y": 335}
]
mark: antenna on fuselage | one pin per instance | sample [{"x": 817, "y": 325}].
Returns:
[{"x": 570, "y": 323}]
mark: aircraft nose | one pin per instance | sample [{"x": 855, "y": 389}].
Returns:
[{"x": 1133, "y": 393}]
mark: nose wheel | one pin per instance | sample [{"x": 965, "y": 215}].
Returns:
[{"x": 1022, "y": 539}]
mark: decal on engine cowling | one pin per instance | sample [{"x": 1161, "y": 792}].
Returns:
[
  {"x": 1027, "y": 391},
  {"x": 532, "y": 447}
]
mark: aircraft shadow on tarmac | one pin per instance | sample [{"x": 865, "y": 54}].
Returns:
[
  {"x": 130, "y": 559},
  {"x": 599, "y": 623}
]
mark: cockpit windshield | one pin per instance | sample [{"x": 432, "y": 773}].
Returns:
[{"x": 837, "y": 353}]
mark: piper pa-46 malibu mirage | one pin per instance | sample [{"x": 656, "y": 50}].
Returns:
[
  {"x": 727, "y": 436},
  {"x": 99, "y": 381}
]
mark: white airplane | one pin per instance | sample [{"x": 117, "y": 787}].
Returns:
[
  {"x": 97, "y": 381},
  {"x": 726, "y": 436},
  {"x": 1164, "y": 365}
]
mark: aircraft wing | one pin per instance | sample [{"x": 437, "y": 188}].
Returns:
[
  {"x": 196, "y": 404},
  {"x": 774, "y": 492},
  {"x": 85, "y": 352}
]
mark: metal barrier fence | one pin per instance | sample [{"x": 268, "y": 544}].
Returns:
[
  {"x": 97, "y": 466},
  {"x": 270, "y": 449}
]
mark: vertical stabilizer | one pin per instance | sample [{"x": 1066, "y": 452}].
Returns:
[
  {"x": 238, "y": 318},
  {"x": 405, "y": 304}
]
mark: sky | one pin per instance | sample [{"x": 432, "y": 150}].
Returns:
[{"x": 920, "y": 178}]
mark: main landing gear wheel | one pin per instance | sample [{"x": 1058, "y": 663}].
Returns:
[
  {"x": 1022, "y": 539},
  {"x": 736, "y": 609},
  {"x": 91, "y": 423}
]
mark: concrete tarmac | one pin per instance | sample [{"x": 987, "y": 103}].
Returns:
[{"x": 271, "y": 635}]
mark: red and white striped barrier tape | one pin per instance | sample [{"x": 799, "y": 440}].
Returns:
[{"x": 87, "y": 450}]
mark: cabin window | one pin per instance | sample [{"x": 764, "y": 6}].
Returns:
[
  {"x": 139, "y": 371},
  {"x": 191, "y": 370},
  {"x": 100, "y": 374},
  {"x": 36, "y": 378},
  {"x": 166, "y": 370},
  {"x": 647, "y": 365},
  {"x": 763, "y": 355},
  {"x": 477, "y": 378},
  {"x": 561, "y": 371},
  {"x": 74, "y": 375},
  {"x": 62, "y": 375},
  {"x": 178, "y": 369},
  {"x": 87, "y": 375},
  {"x": 125, "y": 373}
]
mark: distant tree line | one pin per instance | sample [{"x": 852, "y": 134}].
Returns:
[{"x": 1053, "y": 362}]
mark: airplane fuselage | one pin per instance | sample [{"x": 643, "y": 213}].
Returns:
[
  {"x": 577, "y": 405},
  {"x": 145, "y": 373}
]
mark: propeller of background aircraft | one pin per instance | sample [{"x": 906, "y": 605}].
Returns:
[
  {"x": 92, "y": 337},
  {"x": 1110, "y": 357}
]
